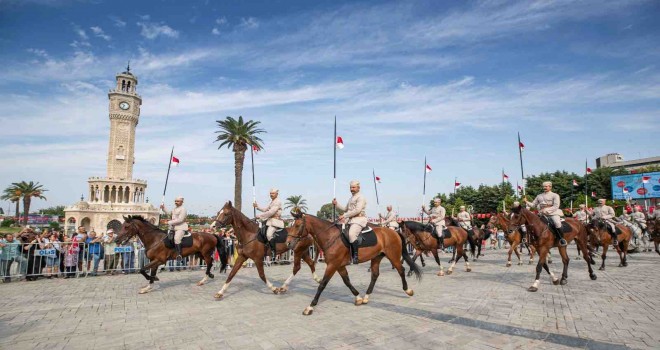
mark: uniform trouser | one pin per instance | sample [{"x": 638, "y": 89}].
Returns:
[
  {"x": 354, "y": 231},
  {"x": 270, "y": 231},
  {"x": 393, "y": 226},
  {"x": 611, "y": 225},
  {"x": 465, "y": 225},
  {"x": 178, "y": 236},
  {"x": 440, "y": 227},
  {"x": 555, "y": 220}
]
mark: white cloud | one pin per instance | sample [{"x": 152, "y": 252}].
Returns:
[
  {"x": 249, "y": 23},
  {"x": 152, "y": 30},
  {"x": 118, "y": 22},
  {"x": 215, "y": 31},
  {"x": 81, "y": 33},
  {"x": 221, "y": 21},
  {"x": 39, "y": 52},
  {"x": 100, "y": 33}
]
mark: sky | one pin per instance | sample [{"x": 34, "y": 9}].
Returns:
[{"x": 450, "y": 81}]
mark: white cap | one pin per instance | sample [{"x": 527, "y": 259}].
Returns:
[
  {"x": 602, "y": 200},
  {"x": 274, "y": 190},
  {"x": 581, "y": 205},
  {"x": 462, "y": 207},
  {"x": 179, "y": 198},
  {"x": 437, "y": 199},
  {"x": 355, "y": 183},
  {"x": 547, "y": 183}
]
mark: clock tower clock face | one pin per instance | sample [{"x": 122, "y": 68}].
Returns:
[{"x": 124, "y": 105}]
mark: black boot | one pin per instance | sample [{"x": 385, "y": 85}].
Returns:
[
  {"x": 615, "y": 242},
  {"x": 178, "y": 251},
  {"x": 354, "y": 252},
  {"x": 273, "y": 249},
  {"x": 562, "y": 241}
]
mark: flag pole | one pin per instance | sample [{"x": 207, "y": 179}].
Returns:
[
  {"x": 254, "y": 189},
  {"x": 334, "y": 172},
  {"x": 522, "y": 172},
  {"x": 586, "y": 185},
  {"x": 162, "y": 202},
  {"x": 572, "y": 189},
  {"x": 377, "y": 201},
  {"x": 424, "y": 191},
  {"x": 455, "y": 179},
  {"x": 646, "y": 207}
]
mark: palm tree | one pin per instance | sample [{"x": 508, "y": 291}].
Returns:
[
  {"x": 238, "y": 135},
  {"x": 296, "y": 202},
  {"x": 13, "y": 194},
  {"x": 29, "y": 190}
]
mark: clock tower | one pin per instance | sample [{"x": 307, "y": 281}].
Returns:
[
  {"x": 124, "y": 115},
  {"x": 110, "y": 198}
]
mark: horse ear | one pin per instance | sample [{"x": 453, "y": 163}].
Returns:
[{"x": 229, "y": 204}]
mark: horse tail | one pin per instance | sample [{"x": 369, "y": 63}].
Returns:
[
  {"x": 472, "y": 242},
  {"x": 404, "y": 254},
  {"x": 223, "y": 251}
]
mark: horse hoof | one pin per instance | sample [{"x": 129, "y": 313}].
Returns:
[
  {"x": 602, "y": 268},
  {"x": 218, "y": 295},
  {"x": 555, "y": 282},
  {"x": 530, "y": 262},
  {"x": 508, "y": 264},
  {"x": 441, "y": 273},
  {"x": 549, "y": 261},
  {"x": 532, "y": 289},
  {"x": 200, "y": 283},
  {"x": 563, "y": 281},
  {"x": 410, "y": 292},
  {"x": 283, "y": 289},
  {"x": 365, "y": 300},
  {"x": 625, "y": 264},
  {"x": 409, "y": 274},
  {"x": 211, "y": 275},
  {"x": 358, "y": 301},
  {"x": 468, "y": 270},
  {"x": 145, "y": 290},
  {"x": 423, "y": 264},
  {"x": 156, "y": 278},
  {"x": 520, "y": 263},
  {"x": 449, "y": 272},
  {"x": 308, "y": 311},
  {"x": 275, "y": 290},
  {"x": 593, "y": 277}
]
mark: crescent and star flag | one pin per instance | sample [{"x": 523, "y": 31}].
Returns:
[
  {"x": 457, "y": 184},
  {"x": 255, "y": 148},
  {"x": 645, "y": 179},
  {"x": 505, "y": 177},
  {"x": 593, "y": 194},
  {"x": 588, "y": 170},
  {"x": 175, "y": 161},
  {"x": 428, "y": 168},
  {"x": 575, "y": 183},
  {"x": 340, "y": 142},
  {"x": 378, "y": 179},
  {"x": 521, "y": 145}
]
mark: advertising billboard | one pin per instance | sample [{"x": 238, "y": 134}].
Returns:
[{"x": 636, "y": 186}]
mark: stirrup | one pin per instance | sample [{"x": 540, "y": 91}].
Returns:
[{"x": 562, "y": 242}]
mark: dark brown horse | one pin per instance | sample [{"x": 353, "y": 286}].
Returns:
[
  {"x": 249, "y": 247},
  {"x": 654, "y": 231},
  {"x": 513, "y": 235},
  {"x": 476, "y": 236},
  {"x": 390, "y": 244},
  {"x": 203, "y": 245},
  {"x": 427, "y": 243},
  {"x": 599, "y": 236},
  {"x": 543, "y": 240}
]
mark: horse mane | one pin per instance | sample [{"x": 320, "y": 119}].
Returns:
[
  {"x": 141, "y": 219},
  {"x": 416, "y": 226}
]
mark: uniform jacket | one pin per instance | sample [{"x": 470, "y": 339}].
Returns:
[
  {"x": 437, "y": 214},
  {"x": 547, "y": 203},
  {"x": 272, "y": 213},
  {"x": 355, "y": 210},
  {"x": 605, "y": 212},
  {"x": 178, "y": 221}
]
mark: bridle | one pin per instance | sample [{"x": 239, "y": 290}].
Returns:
[{"x": 299, "y": 236}]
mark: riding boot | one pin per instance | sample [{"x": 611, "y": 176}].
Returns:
[
  {"x": 562, "y": 241},
  {"x": 354, "y": 252},
  {"x": 273, "y": 249},
  {"x": 178, "y": 251},
  {"x": 615, "y": 242}
]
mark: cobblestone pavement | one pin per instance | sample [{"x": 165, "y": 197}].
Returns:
[{"x": 488, "y": 308}]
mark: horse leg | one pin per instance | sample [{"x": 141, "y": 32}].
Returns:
[
  {"x": 625, "y": 253},
  {"x": 153, "y": 266},
  {"x": 603, "y": 256},
  {"x": 421, "y": 259},
  {"x": 532, "y": 250},
  {"x": 296, "y": 268},
  {"x": 402, "y": 272},
  {"x": 259, "y": 263},
  {"x": 347, "y": 281},
  {"x": 438, "y": 261},
  {"x": 587, "y": 258},
  {"x": 511, "y": 250},
  {"x": 517, "y": 253},
  {"x": 457, "y": 247},
  {"x": 565, "y": 261},
  {"x": 208, "y": 259},
  {"x": 375, "y": 271},
  {"x": 312, "y": 266},
  {"x": 539, "y": 266},
  {"x": 240, "y": 259},
  {"x": 329, "y": 271},
  {"x": 555, "y": 280},
  {"x": 467, "y": 264},
  {"x": 417, "y": 254}
]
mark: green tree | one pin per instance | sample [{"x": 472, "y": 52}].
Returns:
[
  {"x": 28, "y": 191},
  {"x": 296, "y": 202},
  {"x": 13, "y": 194},
  {"x": 57, "y": 210},
  {"x": 326, "y": 212},
  {"x": 238, "y": 135}
]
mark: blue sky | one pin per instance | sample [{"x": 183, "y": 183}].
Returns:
[{"x": 452, "y": 81}]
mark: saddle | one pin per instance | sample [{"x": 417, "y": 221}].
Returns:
[
  {"x": 279, "y": 236},
  {"x": 565, "y": 227},
  {"x": 186, "y": 242},
  {"x": 366, "y": 238},
  {"x": 434, "y": 233}
]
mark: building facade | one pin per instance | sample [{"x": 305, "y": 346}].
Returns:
[
  {"x": 615, "y": 160},
  {"x": 117, "y": 194}
]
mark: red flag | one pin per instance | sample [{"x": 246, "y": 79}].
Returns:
[
  {"x": 588, "y": 170},
  {"x": 340, "y": 142},
  {"x": 428, "y": 168},
  {"x": 505, "y": 177},
  {"x": 593, "y": 194},
  {"x": 645, "y": 179},
  {"x": 175, "y": 161},
  {"x": 521, "y": 145},
  {"x": 575, "y": 183},
  {"x": 519, "y": 188},
  {"x": 255, "y": 149},
  {"x": 378, "y": 179},
  {"x": 457, "y": 184}
]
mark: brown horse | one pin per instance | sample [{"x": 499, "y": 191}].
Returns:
[
  {"x": 543, "y": 240},
  {"x": 476, "y": 236},
  {"x": 513, "y": 235},
  {"x": 599, "y": 236},
  {"x": 426, "y": 242},
  {"x": 390, "y": 244},
  {"x": 418, "y": 246},
  {"x": 203, "y": 245},
  {"x": 249, "y": 247},
  {"x": 654, "y": 231}
]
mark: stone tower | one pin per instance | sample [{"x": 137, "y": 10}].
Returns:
[{"x": 117, "y": 194}]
